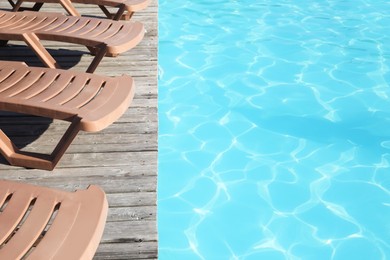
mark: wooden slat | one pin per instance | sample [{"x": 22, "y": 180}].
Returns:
[
  {"x": 122, "y": 158},
  {"x": 125, "y": 251}
]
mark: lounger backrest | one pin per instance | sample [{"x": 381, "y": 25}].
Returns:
[
  {"x": 43, "y": 223},
  {"x": 96, "y": 100},
  {"x": 116, "y": 36}
]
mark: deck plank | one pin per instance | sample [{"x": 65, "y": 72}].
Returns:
[{"x": 122, "y": 158}]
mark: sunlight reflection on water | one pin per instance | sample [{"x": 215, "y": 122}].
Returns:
[{"x": 273, "y": 130}]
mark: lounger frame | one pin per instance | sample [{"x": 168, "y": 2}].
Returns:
[
  {"x": 89, "y": 102},
  {"x": 101, "y": 37},
  {"x": 125, "y": 8}
]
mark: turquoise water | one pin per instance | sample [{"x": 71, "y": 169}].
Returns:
[{"x": 274, "y": 129}]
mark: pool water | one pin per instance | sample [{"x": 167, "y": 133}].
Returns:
[{"x": 274, "y": 129}]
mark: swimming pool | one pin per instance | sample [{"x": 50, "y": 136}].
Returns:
[{"x": 274, "y": 129}]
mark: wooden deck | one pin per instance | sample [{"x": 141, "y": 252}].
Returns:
[{"x": 122, "y": 158}]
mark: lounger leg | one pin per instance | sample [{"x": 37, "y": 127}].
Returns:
[
  {"x": 92, "y": 50},
  {"x": 65, "y": 141},
  {"x": 105, "y": 11},
  {"x": 36, "y": 7},
  {"x": 119, "y": 15},
  {"x": 18, "y": 158},
  {"x": 3, "y": 43},
  {"x": 11, "y": 3},
  {"x": 98, "y": 57},
  {"x": 36, "y": 160},
  {"x": 7, "y": 148},
  {"x": 128, "y": 15},
  {"x": 120, "y": 12},
  {"x": 17, "y": 5},
  {"x": 33, "y": 41},
  {"x": 68, "y": 6}
]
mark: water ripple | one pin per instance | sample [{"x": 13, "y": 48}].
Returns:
[{"x": 273, "y": 129}]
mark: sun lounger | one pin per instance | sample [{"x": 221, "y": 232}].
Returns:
[
  {"x": 90, "y": 102},
  {"x": 44, "y": 223},
  {"x": 125, "y": 8},
  {"x": 102, "y": 37}
]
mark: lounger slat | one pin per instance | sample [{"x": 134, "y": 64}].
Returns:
[
  {"x": 13, "y": 214},
  {"x": 22, "y": 23},
  {"x": 12, "y": 21},
  {"x": 76, "y": 26},
  {"x": 92, "y": 89},
  {"x": 124, "y": 31},
  {"x": 2, "y": 16},
  {"x": 57, "y": 233},
  {"x": 92, "y": 24},
  {"x": 110, "y": 32},
  {"x": 69, "y": 92},
  {"x": 3, "y": 196},
  {"x": 75, "y": 229},
  {"x": 29, "y": 23},
  {"x": 92, "y": 200},
  {"x": 22, "y": 85},
  {"x": 38, "y": 23},
  {"x": 7, "y": 17},
  {"x": 53, "y": 89},
  {"x": 105, "y": 111},
  {"x": 105, "y": 94},
  {"x": 44, "y": 24},
  {"x": 118, "y": 39},
  {"x": 6, "y": 73},
  {"x": 31, "y": 229},
  {"x": 38, "y": 87},
  {"x": 67, "y": 24},
  {"x": 102, "y": 27},
  {"x": 13, "y": 79},
  {"x": 59, "y": 21}
]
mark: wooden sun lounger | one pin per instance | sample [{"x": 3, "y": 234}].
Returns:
[
  {"x": 90, "y": 102},
  {"x": 44, "y": 223},
  {"x": 125, "y": 8},
  {"x": 101, "y": 36}
]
